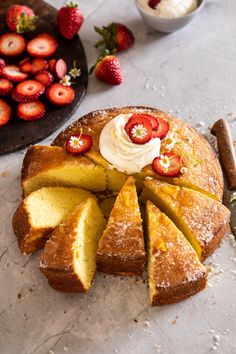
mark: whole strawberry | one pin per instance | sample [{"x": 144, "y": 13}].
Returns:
[
  {"x": 20, "y": 18},
  {"x": 108, "y": 69},
  {"x": 116, "y": 37},
  {"x": 69, "y": 20}
]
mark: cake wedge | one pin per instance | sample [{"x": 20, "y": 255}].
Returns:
[
  {"x": 174, "y": 270},
  {"x": 40, "y": 212},
  {"x": 69, "y": 257},
  {"x": 121, "y": 248},
  {"x": 203, "y": 220}
]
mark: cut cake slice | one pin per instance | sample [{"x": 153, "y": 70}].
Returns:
[
  {"x": 46, "y": 166},
  {"x": 121, "y": 248},
  {"x": 175, "y": 272},
  {"x": 203, "y": 220},
  {"x": 40, "y": 212},
  {"x": 69, "y": 256}
]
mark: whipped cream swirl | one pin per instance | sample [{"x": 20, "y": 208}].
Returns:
[{"x": 117, "y": 148}]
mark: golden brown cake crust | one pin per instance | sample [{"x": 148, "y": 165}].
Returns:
[
  {"x": 175, "y": 271},
  {"x": 121, "y": 248},
  {"x": 29, "y": 238},
  {"x": 57, "y": 259},
  {"x": 206, "y": 175}
]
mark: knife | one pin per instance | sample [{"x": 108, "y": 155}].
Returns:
[{"x": 228, "y": 160}]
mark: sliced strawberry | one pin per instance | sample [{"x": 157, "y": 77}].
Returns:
[
  {"x": 31, "y": 110},
  {"x": 162, "y": 129},
  {"x": 140, "y": 133},
  {"x": 45, "y": 77},
  {"x": 136, "y": 117},
  {"x": 2, "y": 64},
  {"x": 11, "y": 44},
  {"x": 42, "y": 46},
  {"x": 28, "y": 91},
  {"x": 168, "y": 164},
  {"x": 13, "y": 73},
  {"x": 79, "y": 144},
  {"x": 38, "y": 64},
  {"x": 60, "y": 68},
  {"x": 60, "y": 95},
  {"x": 5, "y": 112},
  {"x": 25, "y": 65},
  {"x": 5, "y": 86},
  {"x": 52, "y": 65}
]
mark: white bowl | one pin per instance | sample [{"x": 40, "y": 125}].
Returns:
[{"x": 167, "y": 25}]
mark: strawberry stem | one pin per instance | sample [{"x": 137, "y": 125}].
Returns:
[{"x": 72, "y": 4}]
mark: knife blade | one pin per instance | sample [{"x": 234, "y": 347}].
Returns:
[{"x": 228, "y": 161}]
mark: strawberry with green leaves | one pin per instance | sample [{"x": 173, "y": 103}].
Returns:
[
  {"x": 107, "y": 69},
  {"x": 20, "y": 18},
  {"x": 116, "y": 37},
  {"x": 69, "y": 20}
]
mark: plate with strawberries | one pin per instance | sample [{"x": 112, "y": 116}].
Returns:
[{"x": 43, "y": 70}]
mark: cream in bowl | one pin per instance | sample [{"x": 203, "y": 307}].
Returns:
[
  {"x": 169, "y": 8},
  {"x": 168, "y": 15}
]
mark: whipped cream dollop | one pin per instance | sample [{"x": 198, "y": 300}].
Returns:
[
  {"x": 171, "y": 8},
  {"x": 116, "y": 147}
]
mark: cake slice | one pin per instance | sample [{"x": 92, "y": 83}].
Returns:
[
  {"x": 203, "y": 220},
  {"x": 69, "y": 256},
  {"x": 174, "y": 270},
  {"x": 46, "y": 166},
  {"x": 121, "y": 248},
  {"x": 40, "y": 212}
]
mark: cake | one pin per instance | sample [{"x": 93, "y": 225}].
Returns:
[
  {"x": 41, "y": 211},
  {"x": 69, "y": 256},
  {"x": 121, "y": 249},
  {"x": 132, "y": 151},
  {"x": 174, "y": 270},
  {"x": 203, "y": 220},
  {"x": 202, "y": 170},
  {"x": 45, "y": 166}
]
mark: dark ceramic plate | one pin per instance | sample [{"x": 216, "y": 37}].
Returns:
[{"x": 17, "y": 134}]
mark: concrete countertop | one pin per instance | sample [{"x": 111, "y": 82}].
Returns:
[{"x": 191, "y": 74}]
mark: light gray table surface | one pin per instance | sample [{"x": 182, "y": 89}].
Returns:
[{"x": 191, "y": 74}]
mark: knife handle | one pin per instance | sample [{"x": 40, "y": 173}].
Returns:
[{"x": 226, "y": 150}]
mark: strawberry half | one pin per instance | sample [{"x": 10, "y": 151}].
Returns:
[
  {"x": 52, "y": 65},
  {"x": 168, "y": 164},
  {"x": 162, "y": 129},
  {"x": 60, "y": 68},
  {"x": 28, "y": 91},
  {"x": 136, "y": 117},
  {"x": 140, "y": 133},
  {"x": 79, "y": 144},
  {"x": 42, "y": 46},
  {"x": 45, "y": 77},
  {"x": 5, "y": 87},
  {"x": 108, "y": 70},
  {"x": 20, "y": 18},
  {"x": 116, "y": 37},
  {"x": 2, "y": 64},
  {"x": 60, "y": 95},
  {"x": 31, "y": 110},
  {"x": 38, "y": 64},
  {"x": 153, "y": 3},
  {"x": 5, "y": 112},
  {"x": 13, "y": 73},
  {"x": 25, "y": 65},
  {"x": 11, "y": 44}
]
